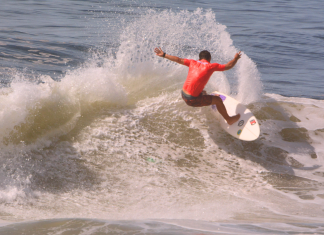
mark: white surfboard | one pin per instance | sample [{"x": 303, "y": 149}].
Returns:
[{"x": 247, "y": 128}]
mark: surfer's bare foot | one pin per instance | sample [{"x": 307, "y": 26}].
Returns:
[{"x": 233, "y": 119}]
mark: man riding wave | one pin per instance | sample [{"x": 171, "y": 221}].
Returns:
[{"x": 199, "y": 74}]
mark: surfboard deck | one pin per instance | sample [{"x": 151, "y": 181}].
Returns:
[{"x": 246, "y": 128}]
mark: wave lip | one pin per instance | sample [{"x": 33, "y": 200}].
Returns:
[{"x": 31, "y": 112}]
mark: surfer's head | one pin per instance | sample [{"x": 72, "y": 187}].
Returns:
[{"x": 205, "y": 55}]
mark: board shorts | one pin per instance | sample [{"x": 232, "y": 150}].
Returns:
[{"x": 200, "y": 101}]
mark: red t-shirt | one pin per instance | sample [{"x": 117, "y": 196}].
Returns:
[{"x": 199, "y": 74}]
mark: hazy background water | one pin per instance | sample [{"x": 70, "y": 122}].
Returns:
[{"x": 92, "y": 124}]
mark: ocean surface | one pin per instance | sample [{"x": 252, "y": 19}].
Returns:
[{"x": 95, "y": 138}]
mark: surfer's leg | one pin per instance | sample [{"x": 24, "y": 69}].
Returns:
[{"x": 222, "y": 110}]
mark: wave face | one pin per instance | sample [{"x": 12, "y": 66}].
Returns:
[{"x": 113, "y": 139}]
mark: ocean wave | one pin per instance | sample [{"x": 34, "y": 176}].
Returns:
[{"x": 116, "y": 132}]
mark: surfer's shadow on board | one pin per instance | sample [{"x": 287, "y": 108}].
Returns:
[{"x": 277, "y": 145}]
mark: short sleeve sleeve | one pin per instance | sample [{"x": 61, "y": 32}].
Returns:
[
  {"x": 186, "y": 62},
  {"x": 218, "y": 67}
]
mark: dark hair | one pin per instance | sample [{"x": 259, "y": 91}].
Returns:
[{"x": 204, "y": 55}]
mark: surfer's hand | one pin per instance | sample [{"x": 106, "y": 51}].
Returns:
[
  {"x": 237, "y": 55},
  {"x": 233, "y": 62},
  {"x": 158, "y": 51}
]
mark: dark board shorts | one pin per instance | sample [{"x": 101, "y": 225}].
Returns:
[{"x": 200, "y": 101}]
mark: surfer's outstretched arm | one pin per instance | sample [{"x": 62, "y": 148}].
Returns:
[
  {"x": 232, "y": 63},
  {"x": 160, "y": 53}
]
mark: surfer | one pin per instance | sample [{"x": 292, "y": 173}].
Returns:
[{"x": 199, "y": 73}]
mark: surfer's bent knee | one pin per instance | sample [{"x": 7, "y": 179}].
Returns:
[{"x": 217, "y": 99}]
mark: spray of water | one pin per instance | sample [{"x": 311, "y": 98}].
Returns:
[
  {"x": 31, "y": 112},
  {"x": 183, "y": 34}
]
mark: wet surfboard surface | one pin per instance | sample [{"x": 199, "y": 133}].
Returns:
[{"x": 246, "y": 128}]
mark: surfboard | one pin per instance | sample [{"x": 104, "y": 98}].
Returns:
[{"x": 247, "y": 128}]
